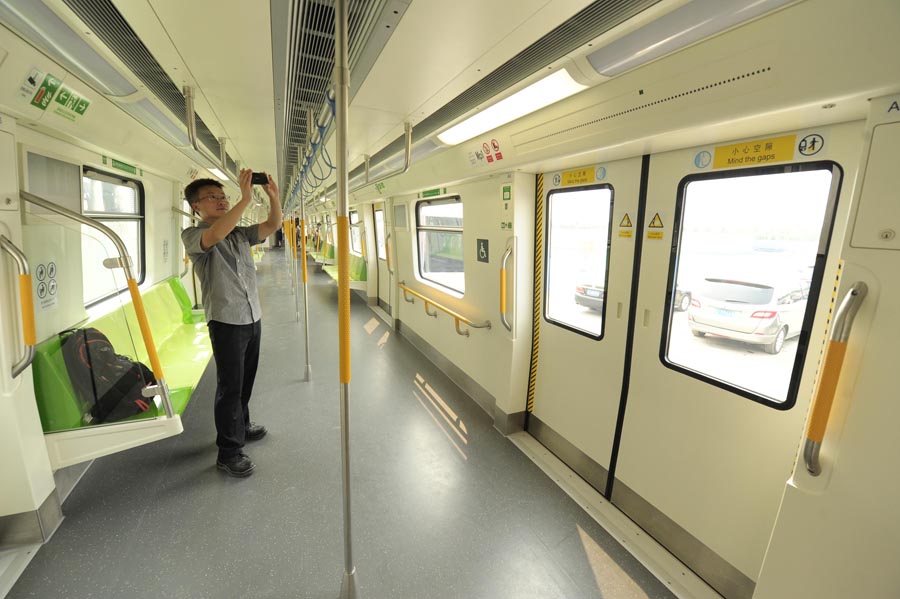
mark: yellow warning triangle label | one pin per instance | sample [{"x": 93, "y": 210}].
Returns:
[
  {"x": 626, "y": 221},
  {"x": 656, "y": 223}
]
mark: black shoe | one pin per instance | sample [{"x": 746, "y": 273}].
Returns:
[
  {"x": 255, "y": 432},
  {"x": 239, "y": 465}
]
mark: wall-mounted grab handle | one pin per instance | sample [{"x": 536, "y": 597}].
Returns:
[
  {"x": 503, "y": 319},
  {"x": 26, "y": 303},
  {"x": 831, "y": 373}
]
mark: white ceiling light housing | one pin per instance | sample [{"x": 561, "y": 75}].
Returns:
[
  {"x": 548, "y": 90},
  {"x": 218, "y": 174},
  {"x": 690, "y": 23}
]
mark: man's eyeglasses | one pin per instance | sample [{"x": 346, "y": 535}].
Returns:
[{"x": 215, "y": 198}]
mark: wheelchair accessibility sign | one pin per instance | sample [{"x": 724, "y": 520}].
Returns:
[{"x": 482, "y": 252}]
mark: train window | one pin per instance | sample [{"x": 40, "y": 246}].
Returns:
[
  {"x": 439, "y": 226},
  {"x": 750, "y": 251},
  {"x": 379, "y": 235},
  {"x": 355, "y": 233},
  {"x": 577, "y": 262},
  {"x": 118, "y": 203}
]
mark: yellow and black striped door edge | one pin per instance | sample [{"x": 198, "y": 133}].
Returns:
[{"x": 538, "y": 287}]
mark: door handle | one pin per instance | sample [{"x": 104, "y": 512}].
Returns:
[
  {"x": 831, "y": 373},
  {"x": 503, "y": 319}
]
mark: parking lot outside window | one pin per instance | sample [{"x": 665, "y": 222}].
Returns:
[
  {"x": 439, "y": 229},
  {"x": 577, "y": 258},
  {"x": 749, "y": 257}
]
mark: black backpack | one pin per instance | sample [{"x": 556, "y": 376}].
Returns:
[{"x": 107, "y": 384}]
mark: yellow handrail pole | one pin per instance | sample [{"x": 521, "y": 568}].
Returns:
[
  {"x": 26, "y": 300},
  {"x": 342, "y": 182},
  {"x": 503, "y": 291},
  {"x": 831, "y": 374},
  {"x": 303, "y": 241},
  {"x": 26, "y": 304},
  {"x": 459, "y": 317},
  {"x": 123, "y": 262}
]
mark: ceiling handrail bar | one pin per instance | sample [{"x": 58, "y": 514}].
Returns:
[
  {"x": 407, "y": 155},
  {"x": 190, "y": 119}
]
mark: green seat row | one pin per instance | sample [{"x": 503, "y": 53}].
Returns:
[
  {"x": 180, "y": 336},
  {"x": 357, "y": 269}
]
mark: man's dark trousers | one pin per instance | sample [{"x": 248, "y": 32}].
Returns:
[{"x": 236, "y": 351}]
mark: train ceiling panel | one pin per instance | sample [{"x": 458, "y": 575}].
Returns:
[
  {"x": 228, "y": 54},
  {"x": 520, "y": 55},
  {"x": 438, "y": 51}
]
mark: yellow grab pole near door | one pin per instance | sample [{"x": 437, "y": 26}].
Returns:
[{"x": 831, "y": 374}]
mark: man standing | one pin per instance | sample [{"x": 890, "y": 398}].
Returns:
[{"x": 220, "y": 251}]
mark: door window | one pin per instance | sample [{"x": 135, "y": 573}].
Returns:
[
  {"x": 578, "y": 234},
  {"x": 749, "y": 252}
]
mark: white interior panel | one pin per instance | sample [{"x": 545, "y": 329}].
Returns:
[
  {"x": 579, "y": 379},
  {"x": 714, "y": 462}
]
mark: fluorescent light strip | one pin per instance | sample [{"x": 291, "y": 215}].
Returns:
[
  {"x": 218, "y": 174},
  {"x": 548, "y": 90}
]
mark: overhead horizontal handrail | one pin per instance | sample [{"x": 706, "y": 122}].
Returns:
[
  {"x": 123, "y": 262},
  {"x": 190, "y": 119},
  {"x": 193, "y": 217},
  {"x": 407, "y": 153},
  {"x": 457, "y": 317},
  {"x": 26, "y": 304},
  {"x": 503, "y": 319},
  {"x": 831, "y": 373}
]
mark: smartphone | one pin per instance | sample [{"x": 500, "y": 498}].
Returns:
[{"x": 259, "y": 179}]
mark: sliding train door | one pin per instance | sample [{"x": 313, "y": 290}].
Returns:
[
  {"x": 585, "y": 251},
  {"x": 383, "y": 270},
  {"x": 738, "y": 261}
]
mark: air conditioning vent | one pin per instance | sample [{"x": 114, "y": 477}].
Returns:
[{"x": 107, "y": 23}]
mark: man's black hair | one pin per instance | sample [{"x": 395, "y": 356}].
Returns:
[{"x": 193, "y": 188}]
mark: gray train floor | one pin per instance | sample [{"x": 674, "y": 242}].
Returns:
[{"x": 433, "y": 516}]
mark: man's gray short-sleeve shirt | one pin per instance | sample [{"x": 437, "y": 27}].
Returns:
[{"x": 226, "y": 273}]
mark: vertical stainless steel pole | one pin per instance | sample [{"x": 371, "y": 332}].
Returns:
[
  {"x": 341, "y": 89},
  {"x": 305, "y": 288}
]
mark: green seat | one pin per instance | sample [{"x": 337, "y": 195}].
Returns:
[
  {"x": 179, "y": 334},
  {"x": 357, "y": 269}
]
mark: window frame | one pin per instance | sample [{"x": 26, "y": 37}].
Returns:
[
  {"x": 89, "y": 172},
  {"x": 813, "y": 293},
  {"x": 449, "y": 199},
  {"x": 546, "y": 266}
]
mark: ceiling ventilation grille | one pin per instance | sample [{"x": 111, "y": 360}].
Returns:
[
  {"x": 595, "y": 19},
  {"x": 311, "y": 60},
  {"x": 107, "y": 23}
]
